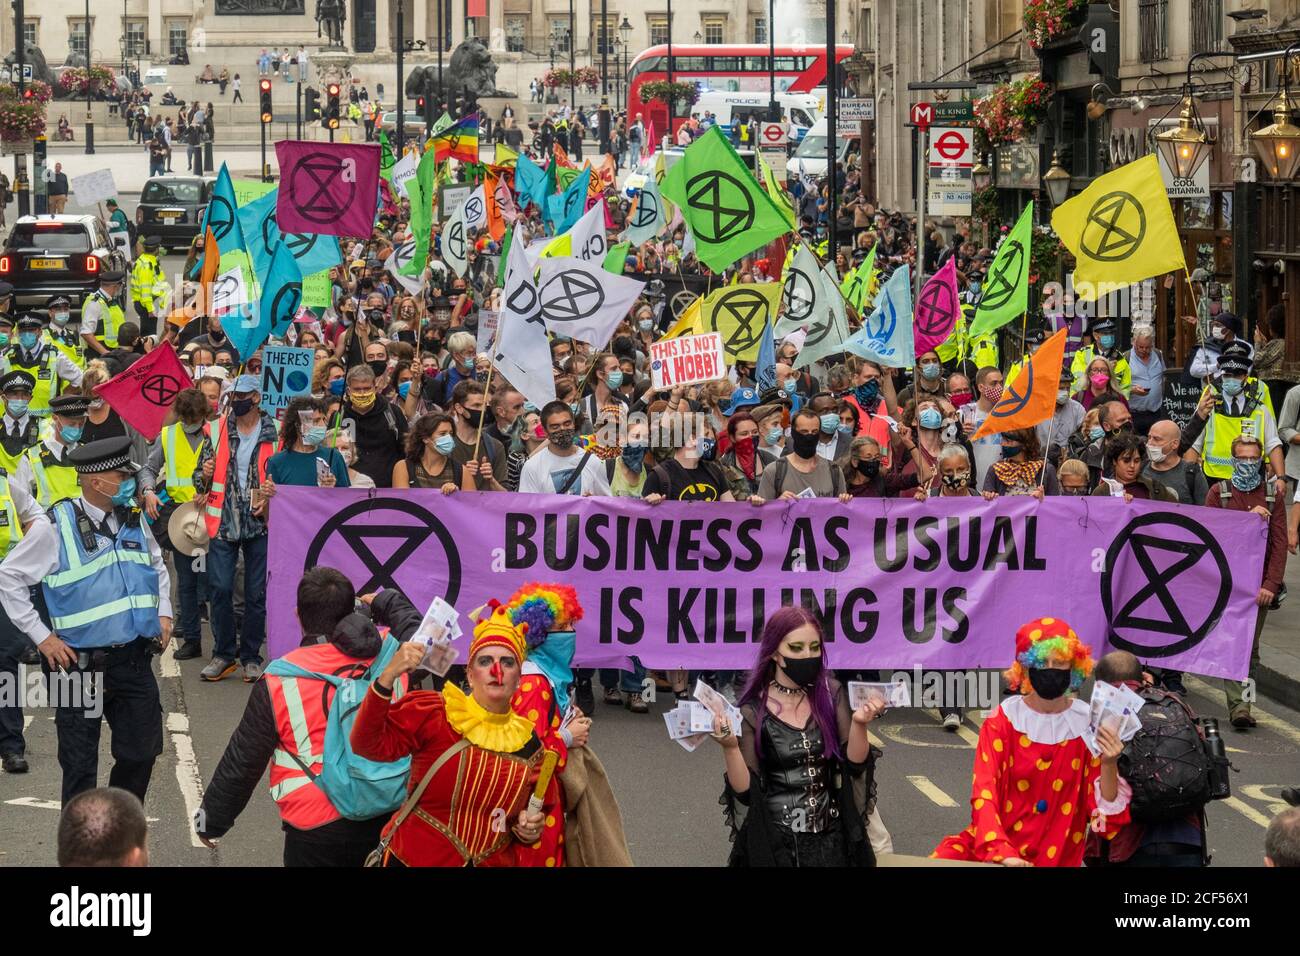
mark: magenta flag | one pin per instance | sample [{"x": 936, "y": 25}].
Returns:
[
  {"x": 941, "y": 584},
  {"x": 144, "y": 393},
  {"x": 937, "y": 308},
  {"x": 329, "y": 189}
]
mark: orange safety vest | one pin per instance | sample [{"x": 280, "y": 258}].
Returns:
[
  {"x": 217, "y": 492},
  {"x": 301, "y": 710}
]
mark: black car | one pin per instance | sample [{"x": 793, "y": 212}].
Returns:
[
  {"x": 171, "y": 207},
  {"x": 44, "y": 255}
]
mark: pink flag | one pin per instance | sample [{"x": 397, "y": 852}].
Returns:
[
  {"x": 937, "y": 308},
  {"x": 329, "y": 189},
  {"x": 144, "y": 393},
  {"x": 650, "y": 144}
]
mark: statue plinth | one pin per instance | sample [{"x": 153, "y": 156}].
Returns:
[{"x": 332, "y": 66}]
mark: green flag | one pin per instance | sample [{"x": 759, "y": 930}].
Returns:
[
  {"x": 505, "y": 258},
  {"x": 1006, "y": 286},
  {"x": 386, "y": 160},
  {"x": 777, "y": 194},
  {"x": 552, "y": 178},
  {"x": 616, "y": 258},
  {"x": 443, "y": 122},
  {"x": 421, "y": 191},
  {"x": 857, "y": 283},
  {"x": 728, "y": 212},
  {"x": 564, "y": 177}
]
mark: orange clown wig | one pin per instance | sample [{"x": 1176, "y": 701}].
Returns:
[{"x": 1041, "y": 640}]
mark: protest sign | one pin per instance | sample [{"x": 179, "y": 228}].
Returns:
[
  {"x": 687, "y": 360},
  {"x": 286, "y": 374},
  {"x": 90, "y": 188},
  {"x": 942, "y": 584}
]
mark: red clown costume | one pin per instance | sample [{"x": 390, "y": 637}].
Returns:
[{"x": 1036, "y": 786}]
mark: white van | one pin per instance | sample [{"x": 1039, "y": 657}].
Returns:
[
  {"x": 799, "y": 110},
  {"x": 810, "y": 157}
]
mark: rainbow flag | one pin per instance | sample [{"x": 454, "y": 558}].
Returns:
[{"x": 457, "y": 141}]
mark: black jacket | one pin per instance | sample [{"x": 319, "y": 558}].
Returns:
[
  {"x": 380, "y": 439},
  {"x": 254, "y": 741}
]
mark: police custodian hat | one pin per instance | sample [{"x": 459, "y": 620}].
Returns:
[
  {"x": 111, "y": 275},
  {"x": 17, "y": 378},
  {"x": 70, "y": 406},
  {"x": 106, "y": 454}
]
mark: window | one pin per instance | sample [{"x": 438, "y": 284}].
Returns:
[
  {"x": 77, "y": 37},
  {"x": 60, "y": 237},
  {"x": 1153, "y": 27},
  {"x": 178, "y": 34},
  {"x": 135, "y": 37},
  {"x": 760, "y": 30},
  {"x": 516, "y": 30},
  {"x": 30, "y": 34},
  {"x": 603, "y": 33},
  {"x": 658, "y": 27},
  {"x": 560, "y": 34},
  {"x": 714, "y": 28},
  {"x": 1207, "y": 26},
  {"x": 866, "y": 33}
]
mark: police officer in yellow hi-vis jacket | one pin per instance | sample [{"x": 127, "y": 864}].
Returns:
[
  {"x": 102, "y": 314},
  {"x": 45, "y": 469},
  {"x": 19, "y": 430},
  {"x": 149, "y": 292},
  {"x": 108, "y": 601},
  {"x": 51, "y": 370}
]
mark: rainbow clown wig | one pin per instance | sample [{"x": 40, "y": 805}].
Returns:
[
  {"x": 544, "y": 608},
  {"x": 1039, "y": 641}
]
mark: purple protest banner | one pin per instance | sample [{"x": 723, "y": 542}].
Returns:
[
  {"x": 327, "y": 188},
  {"x": 900, "y": 584}
]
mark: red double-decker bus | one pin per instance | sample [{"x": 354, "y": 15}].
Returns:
[{"x": 725, "y": 67}]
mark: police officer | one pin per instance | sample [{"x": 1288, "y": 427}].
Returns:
[
  {"x": 148, "y": 286},
  {"x": 106, "y": 588},
  {"x": 61, "y": 333},
  {"x": 44, "y": 468},
  {"x": 1102, "y": 342},
  {"x": 20, "y": 429},
  {"x": 103, "y": 305},
  {"x": 46, "y": 364}
]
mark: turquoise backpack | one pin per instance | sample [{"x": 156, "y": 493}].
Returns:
[{"x": 360, "y": 789}]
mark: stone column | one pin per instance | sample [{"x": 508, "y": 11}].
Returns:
[
  {"x": 496, "y": 25},
  {"x": 383, "y": 28},
  {"x": 156, "y": 43},
  {"x": 421, "y": 31},
  {"x": 457, "y": 23}
]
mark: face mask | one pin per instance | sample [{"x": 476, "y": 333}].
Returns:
[
  {"x": 125, "y": 492},
  {"x": 337, "y": 386},
  {"x": 1062, "y": 396},
  {"x": 930, "y": 418},
  {"x": 1218, "y": 333},
  {"x": 1099, "y": 379},
  {"x": 805, "y": 446},
  {"x": 70, "y": 434},
  {"x": 378, "y": 366},
  {"x": 403, "y": 390},
  {"x": 634, "y": 456},
  {"x": 960, "y": 398},
  {"x": 790, "y": 386},
  {"x": 1108, "y": 341},
  {"x": 539, "y": 432},
  {"x": 444, "y": 444},
  {"x": 4, "y": 339},
  {"x": 804, "y": 671},
  {"x": 868, "y": 393},
  {"x": 773, "y": 436},
  {"x": 868, "y": 469},
  {"x": 17, "y": 407},
  {"x": 1096, "y": 433},
  {"x": 991, "y": 393},
  {"x": 974, "y": 288},
  {"x": 958, "y": 480},
  {"x": 1156, "y": 454},
  {"x": 1010, "y": 451},
  {"x": 193, "y": 429},
  {"x": 314, "y": 436},
  {"x": 931, "y": 371},
  {"x": 1245, "y": 473},
  {"x": 362, "y": 402},
  {"x": 241, "y": 406},
  {"x": 645, "y": 325},
  {"x": 466, "y": 362},
  {"x": 1074, "y": 492},
  {"x": 562, "y": 438},
  {"x": 1232, "y": 386},
  {"x": 27, "y": 340},
  {"x": 830, "y": 422},
  {"x": 59, "y": 319},
  {"x": 614, "y": 379},
  {"x": 1050, "y": 683},
  {"x": 573, "y": 407},
  {"x": 1126, "y": 428}
]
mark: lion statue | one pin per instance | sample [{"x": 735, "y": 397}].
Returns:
[
  {"x": 32, "y": 54},
  {"x": 471, "y": 68}
]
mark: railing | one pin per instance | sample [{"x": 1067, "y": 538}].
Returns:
[
  {"x": 1153, "y": 27},
  {"x": 1207, "y": 26}
]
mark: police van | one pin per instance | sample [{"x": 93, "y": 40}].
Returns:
[
  {"x": 809, "y": 158},
  {"x": 798, "y": 110}
]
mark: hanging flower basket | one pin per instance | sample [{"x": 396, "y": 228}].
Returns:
[
  {"x": 1012, "y": 111},
  {"x": 79, "y": 80},
  {"x": 663, "y": 91},
  {"x": 1048, "y": 20},
  {"x": 22, "y": 119}
]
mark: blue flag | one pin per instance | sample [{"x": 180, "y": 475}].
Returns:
[
  {"x": 886, "y": 335},
  {"x": 221, "y": 215},
  {"x": 565, "y": 209},
  {"x": 530, "y": 182},
  {"x": 313, "y": 253},
  {"x": 765, "y": 370},
  {"x": 648, "y": 219},
  {"x": 282, "y": 291}
]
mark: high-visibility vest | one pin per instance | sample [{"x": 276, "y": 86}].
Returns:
[
  {"x": 144, "y": 278},
  {"x": 1221, "y": 431},
  {"x": 107, "y": 596},
  {"x": 12, "y": 450},
  {"x": 75, "y": 351},
  {"x": 51, "y": 481},
  {"x": 114, "y": 316},
  {"x": 180, "y": 461},
  {"x": 1121, "y": 374},
  {"x": 217, "y": 491},
  {"x": 11, "y": 528},
  {"x": 46, "y": 373},
  {"x": 301, "y": 709}
]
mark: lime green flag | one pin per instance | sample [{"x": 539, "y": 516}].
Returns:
[
  {"x": 728, "y": 212},
  {"x": 505, "y": 258},
  {"x": 386, "y": 160},
  {"x": 857, "y": 283},
  {"x": 1006, "y": 286},
  {"x": 564, "y": 177},
  {"x": 777, "y": 194},
  {"x": 616, "y": 258},
  {"x": 421, "y": 191}
]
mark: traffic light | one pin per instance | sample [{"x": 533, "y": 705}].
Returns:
[
  {"x": 428, "y": 103},
  {"x": 264, "y": 86},
  {"x": 331, "y": 120},
  {"x": 313, "y": 103}
]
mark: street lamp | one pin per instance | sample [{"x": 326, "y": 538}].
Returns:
[
  {"x": 698, "y": 38},
  {"x": 981, "y": 176},
  {"x": 625, "y": 31},
  {"x": 1057, "y": 180},
  {"x": 90, "y": 120},
  {"x": 1185, "y": 146}
]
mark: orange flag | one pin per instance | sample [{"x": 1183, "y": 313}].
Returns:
[
  {"x": 211, "y": 260},
  {"x": 496, "y": 223},
  {"x": 561, "y": 156},
  {"x": 1031, "y": 398}
]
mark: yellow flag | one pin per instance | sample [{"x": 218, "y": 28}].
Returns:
[
  {"x": 741, "y": 312},
  {"x": 689, "y": 323},
  {"x": 1120, "y": 229},
  {"x": 505, "y": 156}
]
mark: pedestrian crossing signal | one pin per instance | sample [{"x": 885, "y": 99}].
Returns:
[
  {"x": 264, "y": 86},
  {"x": 331, "y": 120}
]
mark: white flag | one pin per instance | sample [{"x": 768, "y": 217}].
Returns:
[
  {"x": 583, "y": 301},
  {"x": 474, "y": 209},
  {"x": 802, "y": 299},
  {"x": 455, "y": 241},
  {"x": 402, "y": 255},
  {"x": 403, "y": 170},
  {"x": 647, "y": 219},
  {"x": 587, "y": 237},
  {"x": 830, "y": 327},
  {"x": 523, "y": 355}
]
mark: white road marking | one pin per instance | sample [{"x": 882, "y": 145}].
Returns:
[
  {"x": 27, "y": 721},
  {"x": 167, "y": 663},
  {"x": 1265, "y": 719},
  {"x": 38, "y": 804},
  {"x": 187, "y": 771},
  {"x": 927, "y": 787}
]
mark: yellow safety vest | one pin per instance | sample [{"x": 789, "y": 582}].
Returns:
[
  {"x": 144, "y": 277},
  {"x": 75, "y": 351},
  {"x": 51, "y": 481},
  {"x": 180, "y": 460},
  {"x": 11, "y": 529},
  {"x": 48, "y": 383},
  {"x": 9, "y": 460},
  {"x": 1122, "y": 375},
  {"x": 1221, "y": 431},
  {"x": 114, "y": 316}
]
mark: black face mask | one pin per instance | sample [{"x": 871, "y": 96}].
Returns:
[
  {"x": 474, "y": 419},
  {"x": 1050, "y": 683},
  {"x": 379, "y": 367},
  {"x": 868, "y": 469},
  {"x": 804, "y": 671},
  {"x": 805, "y": 446}
]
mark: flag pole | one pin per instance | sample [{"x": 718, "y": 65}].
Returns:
[{"x": 468, "y": 482}]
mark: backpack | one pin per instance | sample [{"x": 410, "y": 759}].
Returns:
[
  {"x": 1166, "y": 762},
  {"x": 360, "y": 789}
]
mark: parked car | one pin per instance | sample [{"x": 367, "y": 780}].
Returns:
[
  {"x": 172, "y": 207},
  {"x": 414, "y": 124},
  {"x": 44, "y": 255}
]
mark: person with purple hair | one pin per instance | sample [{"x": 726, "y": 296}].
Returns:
[{"x": 800, "y": 779}]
